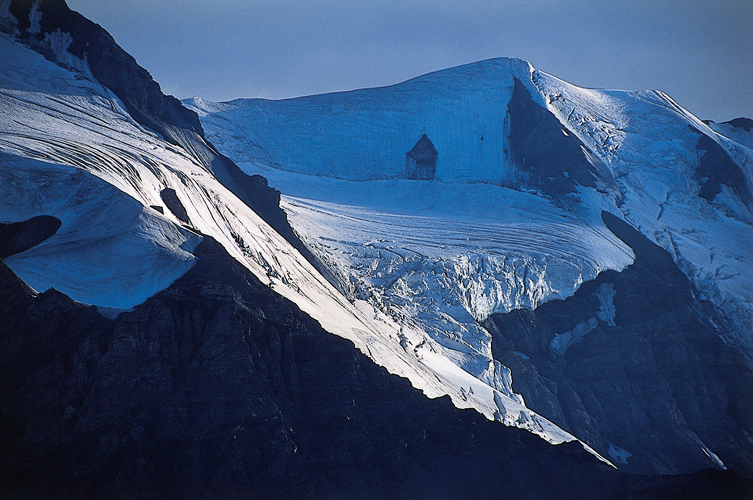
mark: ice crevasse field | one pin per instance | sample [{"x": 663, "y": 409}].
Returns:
[
  {"x": 443, "y": 254},
  {"x": 74, "y": 153}
]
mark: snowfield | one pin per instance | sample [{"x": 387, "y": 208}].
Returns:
[
  {"x": 445, "y": 253},
  {"x": 649, "y": 144},
  {"x": 69, "y": 149}
]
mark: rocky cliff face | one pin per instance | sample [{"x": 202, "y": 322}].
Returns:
[
  {"x": 634, "y": 364},
  {"x": 217, "y": 387}
]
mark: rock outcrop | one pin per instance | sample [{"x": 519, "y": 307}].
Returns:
[
  {"x": 421, "y": 161},
  {"x": 717, "y": 169},
  {"x": 633, "y": 364},
  {"x": 15, "y": 237},
  {"x": 219, "y": 388}
]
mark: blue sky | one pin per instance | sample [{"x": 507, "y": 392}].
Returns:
[{"x": 698, "y": 51}]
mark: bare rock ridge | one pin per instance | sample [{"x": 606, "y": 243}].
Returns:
[
  {"x": 110, "y": 65},
  {"x": 218, "y": 387},
  {"x": 741, "y": 122},
  {"x": 581, "y": 361}
]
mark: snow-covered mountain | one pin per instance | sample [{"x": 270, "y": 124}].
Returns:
[
  {"x": 515, "y": 146},
  {"x": 522, "y": 166},
  {"x": 121, "y": 240},
  {"x": 427, "y": 219}
]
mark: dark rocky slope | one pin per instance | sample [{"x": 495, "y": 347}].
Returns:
[
  {"x": 219, "y": 388},
  {"x": 649, "y": 374}
]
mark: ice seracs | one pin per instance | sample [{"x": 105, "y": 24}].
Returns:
[{"x": 311, "y": 148}]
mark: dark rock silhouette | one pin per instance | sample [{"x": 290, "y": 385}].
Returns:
[
  {"x": 742, "y": 122},
  {"x": 110, "y": 65},
  {"x": 219, "y": 388},
  {"x": 717, "y": 168},
  {"x": 173, "y": 203},
  {"x": 16, "y": 237},
  {"x": 649, "y": 374}
]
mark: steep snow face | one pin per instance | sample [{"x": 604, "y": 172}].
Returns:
[
  {"x": 436, "y": 256},
  {"x": 111, "y": 250},
  {"x": 365, "y": 134},
  {"x": 511, "y": 218},
  {"x": 648, "y": 160},
  {"x": 698, "y": 209},
  {"x": 497, "y": 249},
  {"x": 68, "y": 148}
]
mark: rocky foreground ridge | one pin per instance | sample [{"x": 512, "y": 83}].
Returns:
[{"x": 219, "y": 388}]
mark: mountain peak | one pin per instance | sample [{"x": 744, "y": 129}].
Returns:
[
  {"x": 108, "y": 63},
  {"x": 440, "y": 250}
]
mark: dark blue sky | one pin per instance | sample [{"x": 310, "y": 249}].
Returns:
[{"x": 698, "y": 51}]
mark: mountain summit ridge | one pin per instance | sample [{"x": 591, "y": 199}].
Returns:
[{"x": 511, "y": 217}]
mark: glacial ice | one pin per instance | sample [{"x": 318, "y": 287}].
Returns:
[
  {"x": 440, "y": 255},
  {"x": 69, "y": 148}
]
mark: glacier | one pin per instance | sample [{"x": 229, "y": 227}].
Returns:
[
  {"x": 525, "y": 166},
  {"x": 511, "y": 220},
  {"x": 338, "y": 160},
  {"x": 651, "y": 145},
  {"x": 70, "y": 149},
  {"x": 447, "y": 253}
]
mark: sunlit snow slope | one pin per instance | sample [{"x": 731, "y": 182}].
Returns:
[
  {"x": 504, "y": 211},
  {"x": 525, "y": 164},
  {"x": 685, "y": 184},
  {"x": 69, "y": 149}
]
